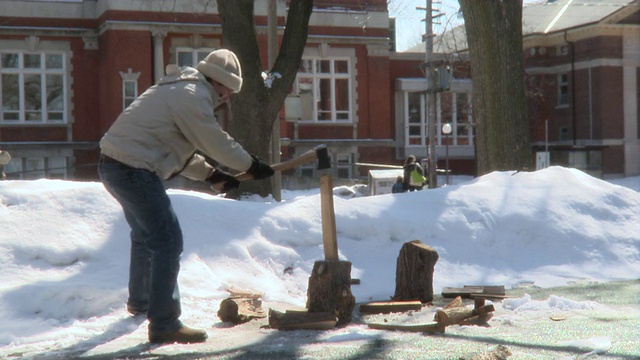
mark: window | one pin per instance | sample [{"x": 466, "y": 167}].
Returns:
[
  {"x": 451, "y": 107},
  {"x": 562, "y": 50},
  {"x": 129, "y": 92},
  {"x": 191, "y": 57},
  {"x": 563, "y": 134},
  {"x": 463, "y": 119},
  {"x": 343, "y": 167},
  {"x": 36, "y": 168},
  {"x": 326, "y": 83},
  {"x": 563, "y": 90},
  {"x": 33, "y": 87},
  {"x": 129, "y": 87},
  {"x": 342, "y": 170},
  {"x": 416, "y": 126}
]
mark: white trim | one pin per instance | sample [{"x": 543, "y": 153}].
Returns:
[{"x": 631, "y": 56}]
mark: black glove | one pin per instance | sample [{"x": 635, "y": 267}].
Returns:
[
  {"x": 259, "y": 169},
  {"x": 219, "y": 176}
]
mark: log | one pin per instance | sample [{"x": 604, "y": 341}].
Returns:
[
  {"x": 471, "y": 291},
  {"x": 386, "y": 307},
  {"x": 301, "y": 320},
  {"x": 330, "y": 290},
  {"x": 414, "y": 272},
  {"x": 426, "y": 328},
  {"x": 239, "y": 310},
  {"x": 455, "y": 313}
]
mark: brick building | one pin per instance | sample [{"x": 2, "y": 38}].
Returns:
[{"x": 69, "y": 67}]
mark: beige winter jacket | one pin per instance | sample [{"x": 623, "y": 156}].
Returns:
[{"x": 162, "y": 129}]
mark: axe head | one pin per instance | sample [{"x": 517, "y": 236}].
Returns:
[{"x": 322, "y": 154}]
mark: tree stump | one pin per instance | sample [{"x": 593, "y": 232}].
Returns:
[
  {"x": 330, "y": 290},
  {"x": 414, "y": 272}
]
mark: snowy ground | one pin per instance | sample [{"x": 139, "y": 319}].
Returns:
[{"x": 566, "y": 245}]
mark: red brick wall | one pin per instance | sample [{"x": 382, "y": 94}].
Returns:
[
  {"x": 379, "y": 98},
  {"x": 607, "y": 102},
  {"x": 34, "y": 133},
  {"x": 121, "y": 50},
  {"x": 85, "y": 90}
]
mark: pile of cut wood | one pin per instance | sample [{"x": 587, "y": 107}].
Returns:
[{"x": 454, "y": 313}]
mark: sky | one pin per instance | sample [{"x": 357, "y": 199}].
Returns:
[
  {"x": 409, "y": 20},
  {"x": 64, "y": 251}
]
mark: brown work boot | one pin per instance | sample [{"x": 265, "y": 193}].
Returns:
[{"x": 184, "y": 335}]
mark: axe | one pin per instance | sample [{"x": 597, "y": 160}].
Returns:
[{"x": 319, "y": 153}]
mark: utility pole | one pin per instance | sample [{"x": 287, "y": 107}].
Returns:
[
  {"x": 272, "y": 37},
  {"x": 430, "y": 94}
]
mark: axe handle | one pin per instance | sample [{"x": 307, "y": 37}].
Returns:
[{"x": 304, "y": 158}]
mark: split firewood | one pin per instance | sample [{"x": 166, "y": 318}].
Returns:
[
  {"x": 298, "y": 320},
  {"x": 455, "y": 313},
  {"x": 472, "y": 291},
  {"x": 233, "y": 293},
  {"x": 241, "y": 308},
  {"x": 426, "y": 328},
  {"x": 386, "y": 307}
]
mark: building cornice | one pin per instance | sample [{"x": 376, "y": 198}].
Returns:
[{"x": 577, "y": 34}]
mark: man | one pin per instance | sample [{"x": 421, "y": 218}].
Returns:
[
  {"x": 4, "y": 160},
  {"x": 155, "y": 138},
  {"x": 413, "y": 174}
]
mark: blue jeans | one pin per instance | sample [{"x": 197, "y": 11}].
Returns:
[{"x": 156, "y": 242}]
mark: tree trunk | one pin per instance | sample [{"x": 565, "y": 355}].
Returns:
[
  {"x": 330, "y": 290},
  {"x": 494, "y": 35},
  {"x": 256, "y": 106},
  {"x": 414, "y": 272}
]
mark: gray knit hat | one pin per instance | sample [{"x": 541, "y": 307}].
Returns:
[{"x": 222, "y": 66}]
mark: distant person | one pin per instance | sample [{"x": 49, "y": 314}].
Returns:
[
  {"x": 399, "y": 186},
  {"x": 157, "y": 137},
  {"x": 4, "y": 160},
  {"x": 413, "y": 174}
]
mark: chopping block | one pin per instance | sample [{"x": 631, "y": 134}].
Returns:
[{"x": 330, "y": 282}]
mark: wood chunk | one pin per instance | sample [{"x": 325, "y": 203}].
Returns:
[
  {"x": 457, "y": 302},
  {"x": 471, "y": 291},
  {"x": 427, "y": 328},
  {"x": 241, "y": 310},
  {"x": 233, "y": 293},
  {"x": 457, "y": 314},
  {"x": 330, "y": 290},
  {"x": 414, "y": 272},
  {"x": 301, "y": 320},
  {"x": 493, "y": 290},
  {"x": 452, "y": 292},
  {"x": 386, "y": 307}
]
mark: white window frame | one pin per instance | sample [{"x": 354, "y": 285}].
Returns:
[
  {"x": 310, "y": 100},
  {"x": 411, "y": 140},
  {"x": 129, "y": 78},
  {"x": 197, "y": 55},
  {"x": 419, "y": 140},
  {"x": 21, "y": 71},
  {"x": 314, "y": 74},
  {"x": 36, "y": 167},
  {"x": 456, "y": 134},
  {"x": 126, "y": 98},
  {"x": 343, "y": 164}
]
